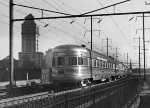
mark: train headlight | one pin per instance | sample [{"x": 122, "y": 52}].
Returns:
[{"x": 79, "y": 74}]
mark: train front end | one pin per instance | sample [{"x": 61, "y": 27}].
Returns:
[{"x": 70, "y": 64}]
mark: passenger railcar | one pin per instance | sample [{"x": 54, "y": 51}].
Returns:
[{"x": 71, "y": 64}]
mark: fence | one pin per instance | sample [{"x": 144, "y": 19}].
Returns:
[{"x": 109, "y": 95}]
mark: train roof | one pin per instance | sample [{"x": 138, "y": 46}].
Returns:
[{"x": 70, "y": 47}]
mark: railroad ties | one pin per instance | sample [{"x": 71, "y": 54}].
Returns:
[{"x": 115, "y": 94}]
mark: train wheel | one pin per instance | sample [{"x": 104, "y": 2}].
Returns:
[
  {"x": 83, "y": 83},
  {"x": 86, "y": 82}
]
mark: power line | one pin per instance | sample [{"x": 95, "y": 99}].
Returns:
[
  {"x": 3, "y": 15},
  {"x": 60, "y": 29},
  {"x": 115, "y": 24},
  {"x": 69, "y": 6},
  {"x": 19, "y": 12},
  {"x": 4, "y": 22}
]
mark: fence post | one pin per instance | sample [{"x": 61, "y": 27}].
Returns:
[
  {"x": 94, "y": 97},
  {"x": 66, "y": 101}
]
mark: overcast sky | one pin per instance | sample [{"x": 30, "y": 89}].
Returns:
[{"x": 119, "y": 29}]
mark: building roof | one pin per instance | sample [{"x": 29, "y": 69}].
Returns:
[{"x": 30, "y": 16}]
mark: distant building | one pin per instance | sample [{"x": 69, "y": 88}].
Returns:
[
  {"x": 48, "y": 58},
  {"x": 30, "y": 35},
  {"x": 47, "y": 68},
  {"x": 46, "y": 76}
]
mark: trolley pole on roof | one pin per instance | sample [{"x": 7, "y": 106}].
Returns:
[
  {"x": 91, "y": 50},
  {"x": 11, "y": 69}
]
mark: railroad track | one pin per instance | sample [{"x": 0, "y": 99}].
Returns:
[
  {"x": 22, "y": 91},
  {"x": 37, "y": 97}
]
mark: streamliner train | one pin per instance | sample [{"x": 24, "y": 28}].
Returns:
[{"x": 73, "y": 64}]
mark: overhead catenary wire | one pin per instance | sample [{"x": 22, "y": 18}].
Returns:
[
  {"x": 59, "y": 29},
  {"x": 17, "y": 11},
  {"x": 115, "y": 24},
  {"x": 72, "y": 36},
  {"x": 73, "y": 25}
]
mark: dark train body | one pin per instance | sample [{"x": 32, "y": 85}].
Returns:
[{"x": 71, "y": 64}]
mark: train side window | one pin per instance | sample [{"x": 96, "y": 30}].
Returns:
[
  {"x": 61, "y": 61},
  {"x": 97, "y": 63},
  {"x": 103, "y": 64},
  {"x": 109, "y": 65},
  {"x": 93, "y": 62},
  {"x": 53, "y": 62},
  {"x": 106, "y": 65},
  {"x": 88, "y": 61},
  {"x": 72, "y": 60},
  {"x": 113, "y": 66},
  {"x": 80, "y": 61},
  {"x": 85, "y": 61}
]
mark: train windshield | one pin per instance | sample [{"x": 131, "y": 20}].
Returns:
[
  {"x": 80, "y": 61},
  {"x": 72, "y": 60},
  {"x": 53, "y": 62},
  {"x": 61, "y": 61}
]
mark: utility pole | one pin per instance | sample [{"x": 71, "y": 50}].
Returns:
[
  {"x": 107, "y": 45},
  {"x": 144, "y": 46},
  {"x": 91, "y": 43},
  {"x": 91, "y": 50},
  {"x": 11, "y": 69},
  {"x": 127, "y": 59},
  {"x": 139, "y": 58}
]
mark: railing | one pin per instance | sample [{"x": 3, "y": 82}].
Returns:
[{"x": 110, "y": 95}]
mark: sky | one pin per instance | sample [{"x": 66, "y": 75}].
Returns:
[{"x": 122, "y": 31}]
